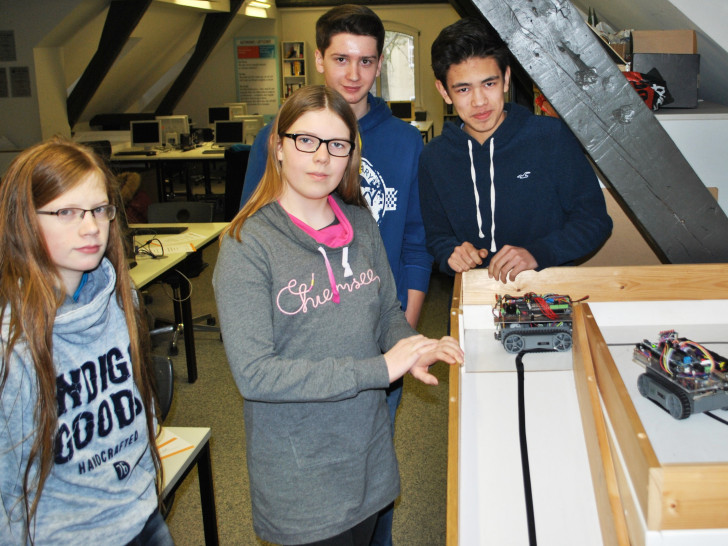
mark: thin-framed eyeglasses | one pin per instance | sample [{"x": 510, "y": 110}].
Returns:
[
  {"x": 73, "y": 215},
  {"x": 309, "y": 144}
]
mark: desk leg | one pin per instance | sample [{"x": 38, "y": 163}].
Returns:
[
  {"x": 206, "y": 176},
  {"x": 189, "y": 330},
  {"x": 188, "y": 182},
  {"x": 207, "y": 496},
  {"x": 161, "y": 190}
]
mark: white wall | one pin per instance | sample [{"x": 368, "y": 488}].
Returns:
[
  {"x": 216, "y": 83},
  {"x": 32, "y": 21}
]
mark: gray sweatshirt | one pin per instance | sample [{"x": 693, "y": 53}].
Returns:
[
  {"x": 319, "y": 445},
  {"x": 102, "y": 483}
]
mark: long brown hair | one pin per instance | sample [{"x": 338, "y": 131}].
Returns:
[
  {"x": 304, "y": 100},
  {"x": 30, "y": 295}
]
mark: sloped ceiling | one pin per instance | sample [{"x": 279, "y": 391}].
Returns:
[
  {"x": 167, "y": 34},
  {"x": 163, "y": 37}
]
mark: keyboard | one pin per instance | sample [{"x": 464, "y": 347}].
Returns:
[
  {"x": 214, "y": 151},
  {"x": 135, "y": 152},
  {"x": 158, "y": 230}
]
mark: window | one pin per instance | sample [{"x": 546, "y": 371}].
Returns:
[{"x": 398, "y": 79}]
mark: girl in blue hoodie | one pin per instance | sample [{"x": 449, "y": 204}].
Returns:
[
  {"x": 314, "y": 333},
  {"x": 78, "y": 462}
]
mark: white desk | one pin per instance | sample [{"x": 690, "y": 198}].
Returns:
[
  {"x": 426, "y": 128},
  {"x": 492, "y": 500},
  {"x": 162, "y": 159},
  {"x": 149, "y": 269},
  {"x": 173, "y": 154},
  {"x": 178, "y": 465}
]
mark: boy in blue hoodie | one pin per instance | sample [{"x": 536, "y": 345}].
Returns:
[
  {"x": 349, "y": 41},
  {"x": 503, "y": 189}
]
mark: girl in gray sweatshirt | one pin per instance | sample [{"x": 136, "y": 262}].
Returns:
[{"x": 314, "y": 332}]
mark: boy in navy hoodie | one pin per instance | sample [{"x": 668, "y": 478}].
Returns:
[
  {"x": 349, "y": 41},
  {"x": 503, "y": 188}
]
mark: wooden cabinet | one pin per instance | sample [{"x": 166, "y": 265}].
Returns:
[{"x": 294, "y": 72}]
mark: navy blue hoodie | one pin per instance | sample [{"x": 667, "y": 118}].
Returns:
[{"x": 545, "y": 193}]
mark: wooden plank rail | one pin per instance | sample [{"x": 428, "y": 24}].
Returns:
[
  {"x": 625, "y": 283},
  {"x": 611, "y": 511}
]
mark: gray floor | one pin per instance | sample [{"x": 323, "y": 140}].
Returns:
[{"x": 214, "y": 401}]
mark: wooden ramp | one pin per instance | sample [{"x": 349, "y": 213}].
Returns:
[{"x": 644, "y": 167}]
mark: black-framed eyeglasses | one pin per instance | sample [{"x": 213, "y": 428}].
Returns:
[
  {"x": 73, "y": 215},
  {"x": 309, "y": 144}
]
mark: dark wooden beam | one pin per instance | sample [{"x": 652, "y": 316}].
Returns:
[
  {"x": 644, "y": 167},
  {"x": 213, "y": 28},
  {"x": 121, "y": 20}
]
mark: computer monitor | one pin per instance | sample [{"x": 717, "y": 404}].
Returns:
[
  {"x": 228, "y": 133},
  {"x": 146, "y": 134},
  {"x": 173, "y": 127},
  {"x": 237, "y": 108},
  {"x": 403, "y": 109},
  {"x": 218, "y": 113},
  {"x": 252, "y": 124}
]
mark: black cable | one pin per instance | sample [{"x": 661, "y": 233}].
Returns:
[
  {"x": 719, "y": 419},
  {"x": 524, "y": 448},
  {"x": 145, "y": 249}
]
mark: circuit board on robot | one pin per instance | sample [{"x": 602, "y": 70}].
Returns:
[
  {"x": 533, "y": 321},
  {"x": 681, "y": 376}
]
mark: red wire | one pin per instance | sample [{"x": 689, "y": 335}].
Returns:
[{"x": 545, "y": 308}]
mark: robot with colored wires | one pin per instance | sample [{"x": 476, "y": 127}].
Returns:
[{"x": 681, "y": 376}]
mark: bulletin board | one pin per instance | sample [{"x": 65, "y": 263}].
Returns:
[{"x": 256, "y": 67}]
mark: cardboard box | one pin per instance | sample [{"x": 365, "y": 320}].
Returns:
[
  {"x": 664, "y": 41},
  {"x": 679, "y": 71},
  {"x": 620, "y": 49}
]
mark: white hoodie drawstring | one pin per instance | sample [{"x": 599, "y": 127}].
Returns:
[
  {"x": 475, "y": 191},
  {"x": 492, "y": 196},
  {"x": 345, "y": 263},
  {"x": 477, "y": 195}
]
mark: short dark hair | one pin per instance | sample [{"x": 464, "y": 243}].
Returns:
[
  {"x": 349, "y": 19},
  {"x": 463, "y": 40}
]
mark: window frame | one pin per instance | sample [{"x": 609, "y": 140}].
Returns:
[{"x": 392, "y": 26}]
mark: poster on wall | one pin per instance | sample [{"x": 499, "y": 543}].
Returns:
[
  {"x": 257, "y": 73},
  {"x": 20, "y": 81}
]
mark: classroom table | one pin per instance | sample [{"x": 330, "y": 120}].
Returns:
[
  {"x": 204, "y": 154},
  {"x": 185, "y": 448},
  {"x": 150, "y": 269},
  {"x": 426, "y": 128}
]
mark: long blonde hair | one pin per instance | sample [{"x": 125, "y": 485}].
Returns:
[
  {"x": 307, "y": 99},
  {"x": 30, "y": 298}
]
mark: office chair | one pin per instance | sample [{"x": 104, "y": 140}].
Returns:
[
  {"x": 163, "y": 374},
  {"x": 101, "y": 147},
  {"x": 191, "y": 267},
  {"x": 163, "y": 383},
  {"x": 236, "y": 163}
]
